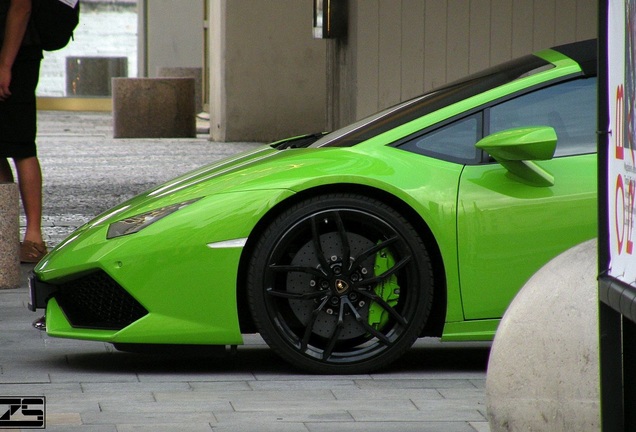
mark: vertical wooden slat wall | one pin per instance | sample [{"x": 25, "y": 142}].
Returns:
[{"x": 401, "y": 48}]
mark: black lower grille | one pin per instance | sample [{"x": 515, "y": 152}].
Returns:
[{"x": 96, "y": 301}]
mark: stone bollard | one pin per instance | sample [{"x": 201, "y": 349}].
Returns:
[
  {"x": 9, "y": 236},
  {"x": 91, "y": 76},
  {"x": 543, "y": 371},
  {"x": 153, "y": 108},
  {"x": 187, "y": 72}
]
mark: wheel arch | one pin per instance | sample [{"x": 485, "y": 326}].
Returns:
[{"x": 435, "y": 324}]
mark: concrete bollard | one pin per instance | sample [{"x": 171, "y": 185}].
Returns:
[
  {"x": 153, "y": 108},
  {"x": 91, "y": 76},
  {"x": 187, "y": 72},
  {"x": 9, "y": 236},
  {"x": 543, "y": 372}
]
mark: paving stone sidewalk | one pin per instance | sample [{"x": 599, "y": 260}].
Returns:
[{"x": 91, "y": 387}]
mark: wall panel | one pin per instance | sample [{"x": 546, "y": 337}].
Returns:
[
  {"x": 401, "y": 48},
  {"x": 435, "y": 48},
  {"x": 412, "y": 30},
  {"x": 501, "y": 33},
  {"x": 480, "y": 35},
  {"x": 458, "y": 37},
  {"x": 390, "y": 53},
  {"x": 367, "y": 56}
]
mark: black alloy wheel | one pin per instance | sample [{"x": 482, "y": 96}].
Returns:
[{"x": 340, "y": 284}]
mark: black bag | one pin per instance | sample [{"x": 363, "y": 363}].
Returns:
[{"x": 54, "y": 22}]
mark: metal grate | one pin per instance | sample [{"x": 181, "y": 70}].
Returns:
[{"x": 96, "y": 301}]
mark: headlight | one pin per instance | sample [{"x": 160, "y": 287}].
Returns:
[{"x": 135, "y": 224}]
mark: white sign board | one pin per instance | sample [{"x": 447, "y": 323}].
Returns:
[{"x": 621, "y": 183}]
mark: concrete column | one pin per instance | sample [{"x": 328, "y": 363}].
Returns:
[
  {"x": 543, "y": 372},
  {"x": 9, "y": 236},
  {"x": 153, "y": 108}
]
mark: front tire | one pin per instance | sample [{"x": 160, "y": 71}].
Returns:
[{"x": 340, "y": 284}]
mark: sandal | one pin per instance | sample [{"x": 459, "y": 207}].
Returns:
[{"x": 31, "y": 252}]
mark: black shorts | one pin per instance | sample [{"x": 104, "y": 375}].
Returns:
[{"x": 18, "y": 124}]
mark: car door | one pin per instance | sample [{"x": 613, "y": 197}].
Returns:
[{"x": 508, "y": 228}]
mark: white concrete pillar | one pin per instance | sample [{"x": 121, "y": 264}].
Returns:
[{"x": 543, "y": 372}]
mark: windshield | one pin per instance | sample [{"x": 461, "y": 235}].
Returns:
[{"x": 433, "y": 101}]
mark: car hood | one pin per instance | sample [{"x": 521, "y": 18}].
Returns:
[{"x": 265, "y": 168}]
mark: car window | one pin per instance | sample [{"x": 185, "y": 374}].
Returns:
[
  {"x": 455, "y": 142},
  {"x": 569, "y": 107}
]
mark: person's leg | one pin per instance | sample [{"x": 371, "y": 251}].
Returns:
[
  {"x": 6, "y": 175},
  {"x": 30, "y": 184}
]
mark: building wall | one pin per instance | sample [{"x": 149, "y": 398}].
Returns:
[
  {"x": 170, "y": 34},
  {"x": 397, "y": 49},
  {"x": 268, "y": 74},
  {"x": 268, "y": 77}
]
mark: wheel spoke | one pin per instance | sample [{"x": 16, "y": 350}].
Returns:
[
  {"x": 372, "y": 251},
  {"x": 309, "y": 327},
  {"x": 295, "y": 296},
  {"x": 365, "y": 324},
  {"x": 387, "y": 307},
  {"x": 335, "y": 335},
  {"x": 346, "y": 248},
  {"x": 380, "y": 278},
  {"x": 315, "y": 235}
]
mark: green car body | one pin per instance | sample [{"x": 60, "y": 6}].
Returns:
[{"x": 184, "y": 251}]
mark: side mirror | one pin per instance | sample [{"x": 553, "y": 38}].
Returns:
[{"x": 515, "y": 149}]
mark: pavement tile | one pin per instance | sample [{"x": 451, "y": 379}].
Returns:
[
  {"x": 318, "y": 405},
  {"x": 70, "y": 419},
  {"x": 194, "y": 405},
  {"x": 196, "y": 376},
  {"x": 39, "y": 389},
  {"x": 23, "y": 377},
  {"x": 110, "y": 389},
  {"x": 288, "y": 385},
  {"x": 166, "y": 427},
  {"x": 388, "y": 383},
  {"x": 276, "y": 398},
  {"x": 290, "y": 375},
  {"x": 437, "y": 413},
  {"x": 266, "y": 418},
  {"x": 206, "y": 386},
  {"x": 480, "y": 426},
  {"x": 386, "y": 394},
  {"x": 80, "y": 428},
  {"x": 402, "y": 426},
  {"x": 147, "y": 418},
  {"x": 462, "y": 393},
  {"x": 97, "y": 398},
  {"x": 92, "y": 377}
]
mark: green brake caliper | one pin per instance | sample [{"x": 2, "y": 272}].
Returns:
[{"x": 388, "y": 290}]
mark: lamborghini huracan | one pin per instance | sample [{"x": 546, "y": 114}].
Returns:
[{"x": 342, "y": 249}]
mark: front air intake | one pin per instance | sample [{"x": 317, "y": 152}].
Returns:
[{"x": 96, "y": 301}]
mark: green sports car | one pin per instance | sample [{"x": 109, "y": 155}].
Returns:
[{"x": 341, "y": 249}]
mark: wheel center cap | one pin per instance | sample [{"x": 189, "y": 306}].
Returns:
[{"x": 341, "y": 286}]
